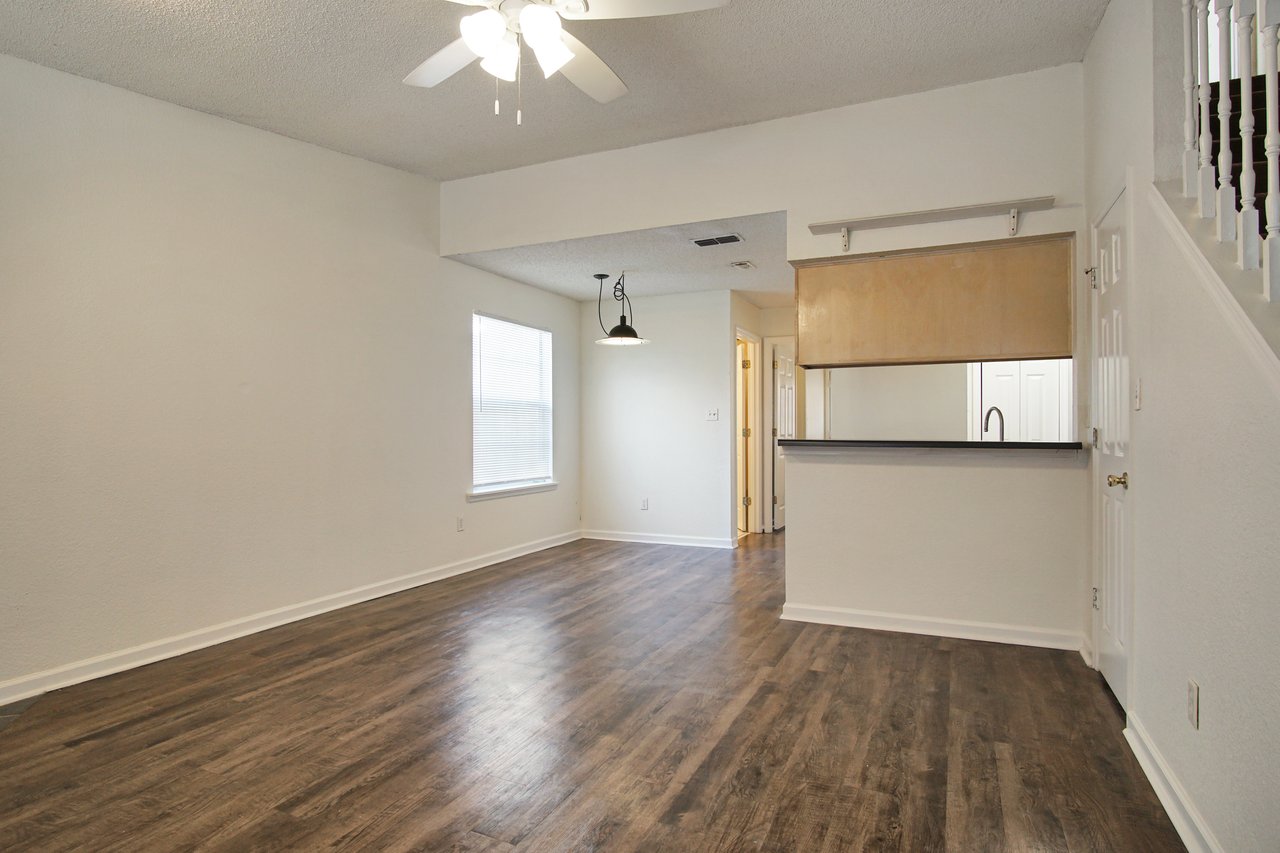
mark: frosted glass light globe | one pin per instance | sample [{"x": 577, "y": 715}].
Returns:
[
  {"x": 504, "y": 60},
  {"x": 540, "y": 25},
  {"x": 484, "y": 31}
]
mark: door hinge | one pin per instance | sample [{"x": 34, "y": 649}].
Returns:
[
  {"x": 746, "y": 432},
  {"x": 1095, "y": 437},
  {"x": 775, "y": 364},
  {"x": 746, "y": 501},
  {"x": 746, "y": 364},
  {"x": 775, "y": 432},
  {"x": 1092, "y": 272},
  {"x": 1095, "y": 598},
  {"x": 775, "y": 500}
]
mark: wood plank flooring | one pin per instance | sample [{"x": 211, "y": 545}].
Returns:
[{"x": 596, "y": 696}]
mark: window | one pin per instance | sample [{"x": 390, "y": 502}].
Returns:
[{"x": 510, "y": 407}]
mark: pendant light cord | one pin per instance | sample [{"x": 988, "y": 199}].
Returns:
[{"x": 619, "y": 295}]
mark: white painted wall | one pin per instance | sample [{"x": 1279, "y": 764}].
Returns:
[
  {"x": 645, "y": 433},
  {"x": 1204, "y": 475},
  {"x": 1118, "y": 121},
  {"x": 972, "y": 543},
  {"x": 234, "y": 377},
  {"x": 1207, "y": 546},
  {"x": 814, "y": 382},
  {"x": 1013, "y": 137},
  {"x": 778, "y": 322},
  {"x": 920, "y": 402}
]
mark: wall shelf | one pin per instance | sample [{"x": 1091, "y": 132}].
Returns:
[{"x": 1013, "y": 209}]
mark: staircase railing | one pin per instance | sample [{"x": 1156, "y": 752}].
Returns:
[{"x": 1209, "y": 175}]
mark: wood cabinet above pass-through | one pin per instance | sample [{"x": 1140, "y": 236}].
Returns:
[{"x": 1010, "y": 299}]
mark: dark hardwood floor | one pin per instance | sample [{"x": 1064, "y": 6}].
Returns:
[{"x": 597, "y": 696}]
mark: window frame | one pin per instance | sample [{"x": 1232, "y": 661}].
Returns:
[{"x": 490, "y": 492}]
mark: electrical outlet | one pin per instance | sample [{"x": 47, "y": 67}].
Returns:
[
  {"x": 713, "y": 414},
  {"x": 459, "y": 524},
  {"x": 1193, "y": 704},
  {"x": 644, "y": 503}
]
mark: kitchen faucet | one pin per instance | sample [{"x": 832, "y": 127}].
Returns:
[{"x": 986, "y": 422}]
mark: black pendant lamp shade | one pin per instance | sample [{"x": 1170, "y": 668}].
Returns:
[{"x": 623, "y": 334}]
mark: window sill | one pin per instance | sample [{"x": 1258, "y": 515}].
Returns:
[{"x": 483, "y": 494}]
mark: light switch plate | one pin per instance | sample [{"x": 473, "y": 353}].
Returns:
[{"x": 713, "y": 414}]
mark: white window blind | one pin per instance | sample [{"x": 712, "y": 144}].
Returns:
[{"x": 510, "y": 404}]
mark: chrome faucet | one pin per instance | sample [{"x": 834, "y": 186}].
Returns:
[{"x": 986, "y": 422}]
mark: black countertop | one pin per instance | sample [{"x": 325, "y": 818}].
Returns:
[{"x": 936, "y": 445}]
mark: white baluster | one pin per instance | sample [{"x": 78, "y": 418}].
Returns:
[
  {"x": 1208, "y": 204},
  {"x": 1190, "y": 156},
  {"x": 1271, "y": 245},
  {"x": 1248, "y": 242},
  {"x": 1226, "y": 189}
]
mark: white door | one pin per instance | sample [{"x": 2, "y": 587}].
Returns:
[
  {"x": 784, "y": 421},
  {"x": 1040, "y": 400},
  {"x": 1111, "y": 377},
  {"x": 1033, "y": 398},
  {"x": 1001, "y": 390}
]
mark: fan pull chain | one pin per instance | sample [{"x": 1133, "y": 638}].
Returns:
[
  {"x": 520, "y": 83},
  {"x": 497, "y": 102}
]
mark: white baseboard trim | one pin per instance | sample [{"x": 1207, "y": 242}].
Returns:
[
  {"x": 1019, "y": 635},
  {"x": 1186, "y": 818},
  {"x": 25, "y": 686},
  {"x": 660, "y": 539},
  {"x": 1086, "y": 651}
]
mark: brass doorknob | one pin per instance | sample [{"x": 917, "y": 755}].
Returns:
[{"x": 1118, "y": 480}]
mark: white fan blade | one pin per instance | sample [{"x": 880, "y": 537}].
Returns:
[
  {"x": 470, "y": 2},
  {"x": 598, "y": 10},
  {"x": 442, "y": 65},
  {"x": 589, "y": 73}
]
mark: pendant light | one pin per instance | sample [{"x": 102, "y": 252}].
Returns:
[{"x": 623, "y": 334}]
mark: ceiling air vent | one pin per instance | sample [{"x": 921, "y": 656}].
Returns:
[
  {"x": 718, "y": 241},
  {"x": 743, "y": 265}
]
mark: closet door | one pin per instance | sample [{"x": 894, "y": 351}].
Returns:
[
  {"x": 1041, "y": 400},
  {"x": 1001, "y": 389}
]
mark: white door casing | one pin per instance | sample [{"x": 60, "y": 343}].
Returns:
[
  {"x": 740, "y": 424},
  {"x": 748, "y": 449},
  {"x": 1114, "y": 504},
  {"x": 783, "y": 408}
]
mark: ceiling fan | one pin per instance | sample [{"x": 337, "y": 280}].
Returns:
[{"x": 495, "y": 34}]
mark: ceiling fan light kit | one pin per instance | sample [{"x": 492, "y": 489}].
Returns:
[
  {"x": 503, "y": 59},
  {"x": 482, "y": 31},
  {"x": 540, "y": 26},
  {"x": 495, "y": 36}
]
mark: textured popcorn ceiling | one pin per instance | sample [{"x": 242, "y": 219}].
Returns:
[
  {"x": 658, "y": 261},
  {"x": 329, "y": 71}
]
